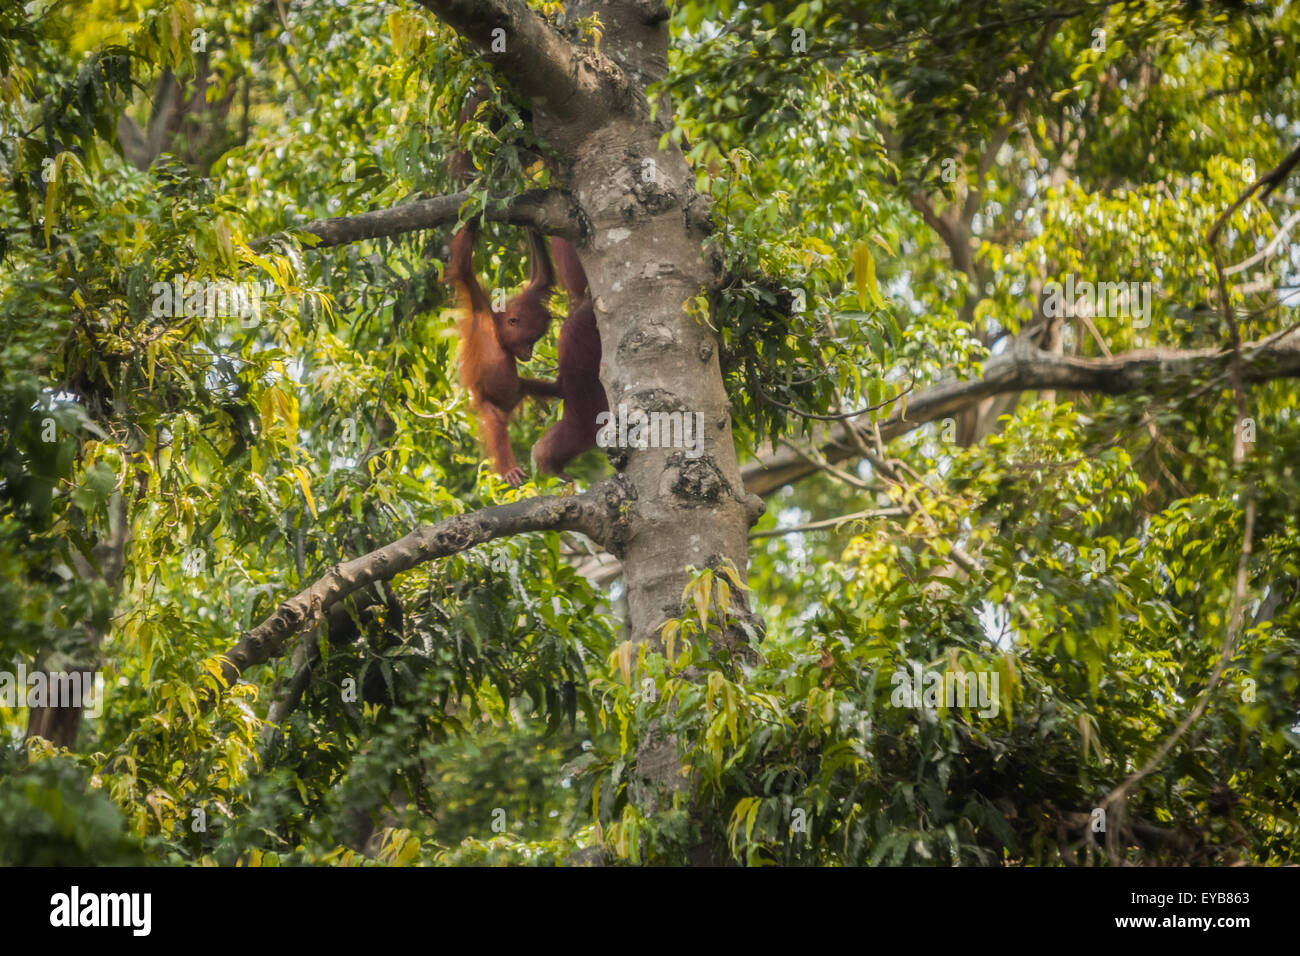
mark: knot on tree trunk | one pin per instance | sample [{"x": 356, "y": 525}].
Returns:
[
  {"x": 648, "y": 338},
  {"x": 616, "y": 497},
  {"x": 696, "y": 479}
]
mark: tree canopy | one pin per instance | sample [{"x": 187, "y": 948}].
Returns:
[{"x": 993, "y": 303}]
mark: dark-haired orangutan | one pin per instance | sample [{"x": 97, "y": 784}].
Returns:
[
  {"x": 579, "y": 375},
  {"x": 491, "y": 342}
]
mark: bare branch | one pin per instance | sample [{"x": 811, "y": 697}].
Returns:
[
  {"x": 594, "y": 514},
  {"x": 834, "y": 523},
  {"x": 1268, "y": 250},
  {"x": 546, "y": 210},
  {"x": 1025, "y": 368},
  {"x": 1271, "y": 179},
  {"x": 1237, "y": 609},
  {"x": 841, "y": 416}
]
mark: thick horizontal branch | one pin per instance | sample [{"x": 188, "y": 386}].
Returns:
[
  {"x": 1025, "y": 368},
  {"x": 556, "y": 76},
  {"x": 547, "y": 210},
  {"x": 594, "y": 514}
]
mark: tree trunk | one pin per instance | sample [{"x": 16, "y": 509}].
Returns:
[
  {"x": 645, "y": 223},
  {"x": 645, "y": 263}
]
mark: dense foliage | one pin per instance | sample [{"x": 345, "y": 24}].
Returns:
[{"x": 1083, "y": 548}]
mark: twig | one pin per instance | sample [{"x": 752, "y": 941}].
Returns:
[
  {"x": 830, "y": 522},
  {"x": 842, "y": 416},
  {"x": 1233, "y": 629}
]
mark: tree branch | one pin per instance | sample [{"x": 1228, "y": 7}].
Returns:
[
  {"x": 834, "y": 523},
  {"x": 60, "y": 724},
  {"x": 558, "y": 78},
  {"x": 596, "y": 514},
  {"x": 546, "y": 210},
  {"x": 1025, "y": 368}
]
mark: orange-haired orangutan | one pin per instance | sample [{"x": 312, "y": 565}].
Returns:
[
  {"x": 491, "y": 342},
  {"x": 579, "y": 375}
]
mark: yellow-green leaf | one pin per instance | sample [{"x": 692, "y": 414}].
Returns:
[
  {"x": 306, "y": 488},
  {"x": 624, "y": 655},
  {"x": 703, "y": 591},
  {"x": 729, "y": 570},
  {"x": 268, "y": 411},
  {"x": 864, "y": 277}
]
